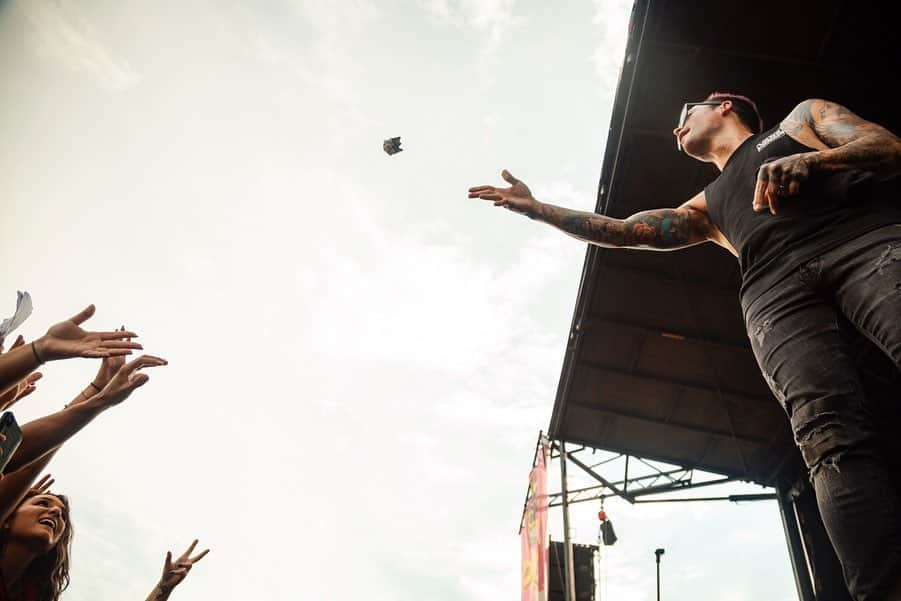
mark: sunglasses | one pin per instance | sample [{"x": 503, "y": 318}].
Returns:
[{"x": 684, "y": 114}]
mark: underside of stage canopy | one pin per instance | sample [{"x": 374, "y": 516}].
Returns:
[{"x": 658, "y": 363}]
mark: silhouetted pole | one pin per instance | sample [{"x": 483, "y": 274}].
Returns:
[
  {"x": 569, "y": 585},
  {"x": 658, "y": 553}
]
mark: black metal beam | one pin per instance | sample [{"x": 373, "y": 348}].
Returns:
[
  {"x": 724, "y": 434},
  {"x": 669, "y": 47},
  {"x": 628, "y": 497},
  {"x": 664, "y": 278},
  {"x": 733, "y": 498},
  {"x": 687, "y": 336},
  {"x": 737, "y": 397},
  {"x": 662, "y": 489}
]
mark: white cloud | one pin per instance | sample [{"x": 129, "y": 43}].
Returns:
[
  {"x": 491, "y": 18},
  {"x": 359, "y": 361},
  {"x": 62, "y": 35},
  {"x": 612, "y": 32}
]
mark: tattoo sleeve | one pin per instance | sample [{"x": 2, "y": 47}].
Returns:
[
  {"x": 853, "y": 142},
  {"x": 660, "y": 229}
]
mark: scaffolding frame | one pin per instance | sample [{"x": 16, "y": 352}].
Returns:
[{"x": 633, "y": 489}]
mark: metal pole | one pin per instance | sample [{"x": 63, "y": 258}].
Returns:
[
  {"x": 658, "y": 553},
  {"x": 569, "y": 587},
  {"x": 795, "y": 541}
]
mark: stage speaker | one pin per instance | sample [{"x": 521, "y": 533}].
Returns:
[{"x": 583, "y": 568}]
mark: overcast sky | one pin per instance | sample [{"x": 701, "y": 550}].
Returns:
[{"x": 361, "y": 358}]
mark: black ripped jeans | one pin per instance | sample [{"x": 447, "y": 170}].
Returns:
[{"x": 795, "y": 333}]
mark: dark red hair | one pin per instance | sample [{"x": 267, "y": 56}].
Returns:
[{"x": 744, "y": 108}]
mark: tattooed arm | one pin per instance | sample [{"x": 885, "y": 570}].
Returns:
[
  {"x": 847, "y": 141},
  {"x": 660, "y": 229}
]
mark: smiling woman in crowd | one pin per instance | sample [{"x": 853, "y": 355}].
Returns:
[{"x": 35, "y": 547}]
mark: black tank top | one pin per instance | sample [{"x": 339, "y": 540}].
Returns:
[{"x": 828, "y": 211}]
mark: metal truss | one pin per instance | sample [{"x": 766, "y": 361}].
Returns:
[{"x": 653, "y": 480}]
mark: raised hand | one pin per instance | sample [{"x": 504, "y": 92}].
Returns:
[
  {"x": 42, "y": 485},
  {"x": 174, "y": 573},
  {"x": 109, "y": 366},
  {"x": 24, "y": 387},
  {"x": 517, "y": 197},
  {"x": 128, "y": 378},
  {"x": 67, "y": 339}
]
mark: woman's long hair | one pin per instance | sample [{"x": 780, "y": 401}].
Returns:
[{"x": 47, "y": 576}]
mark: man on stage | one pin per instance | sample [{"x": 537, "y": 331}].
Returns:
[{"x": 812, "y": 210}]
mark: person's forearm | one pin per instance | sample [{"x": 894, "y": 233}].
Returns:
[
  {"x": 18, "y": 363},
  {"x": 588, "y": 227},
  {"x": 15, "y": 485},
  {"x": 879, "y": 152},
  {"x": 85, "y": 395},
  {"x": 43, "y": 434},
  {"x": 660, "y": 229},
  {"x": 158, "y": 594}
]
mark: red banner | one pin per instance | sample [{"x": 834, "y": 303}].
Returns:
[{"x": 534, "y": 533}]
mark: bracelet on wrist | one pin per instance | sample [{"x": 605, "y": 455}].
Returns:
[
  {"x": 97, "y": 388},
  {"x": 36, "y": 356}
]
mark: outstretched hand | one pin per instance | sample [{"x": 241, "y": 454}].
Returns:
[
  {"x": 517, "y": 197},
  {"x": 23, "y": 387},
  {"x": 110, "y": 365},
  {"x": 128, "y": 378},
  {"x": 67, "y": 339},
  {"x": 174, "y": 573}
]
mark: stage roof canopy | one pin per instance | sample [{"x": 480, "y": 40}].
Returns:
[{"x": 658, "y": 364}]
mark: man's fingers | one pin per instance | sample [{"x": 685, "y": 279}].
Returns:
[
  {"x": 772, "y": 197},
  {"x": 33, "y": 377},
  {"x": 758, "y": 195},
  {"x": 475, "y": 190},
  {"x": 508, "y": 177},
  {"x": 168, "y": 559},
  {"x": 20, "y": 340},
  {"x": 492, "y": 196},
  {"x": 84, "y": 315},
  {"x": 794, "y": 187}
]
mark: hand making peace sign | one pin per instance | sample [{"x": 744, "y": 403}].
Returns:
[{"x": 174, "y": 573}]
